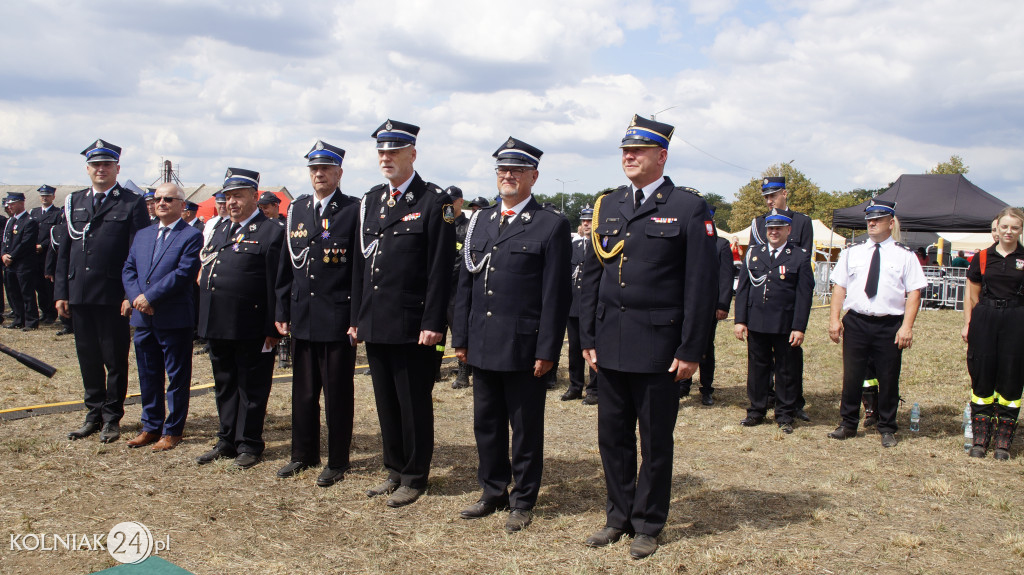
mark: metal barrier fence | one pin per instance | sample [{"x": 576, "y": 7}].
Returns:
[{"x": 945, "y": 290}]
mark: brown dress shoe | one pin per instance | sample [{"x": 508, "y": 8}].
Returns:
[
  {"x": 144, "y": 438},
  {"x": 166, "y": 443}
]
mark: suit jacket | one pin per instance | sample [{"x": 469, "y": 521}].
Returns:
[
  {"x": 782, "y": 302},
  {"x": 237, "y": 298},
  {"x": 167, "y": 280},
  {"x": 726, "y": 273},
  {"x": 46, "y": 221},
  {"x": 404, "y": 286},
  {"x": 89, "y": 266},
  {"x": 19, "y": 241},
  {"x": 514, "y": 312},
  {"x": 580, "y": 247},
  {"x": 649, "y": 304},
  {"x": 801, "y": 234},
  {"x": 317, "y": 296}
]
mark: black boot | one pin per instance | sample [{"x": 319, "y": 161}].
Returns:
[
  {"x": 462, "y": 377},
  {"x": 981, "y": 425},
  {"x": 870, "y": 401},
  {"x": 1005, "y": 428}
]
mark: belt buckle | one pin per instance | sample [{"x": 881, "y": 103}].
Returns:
[{"x": 1000, "y": 303}]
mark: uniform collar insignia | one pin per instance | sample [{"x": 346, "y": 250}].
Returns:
[
  {"x": 252, "y": 227},
  {"x": 526, "y": 217},
  {"x": 409, "y": 198},
  {"x": 494, "y": 215}
]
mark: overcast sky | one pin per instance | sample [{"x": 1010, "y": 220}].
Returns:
[{"x": 854, "y": 92}]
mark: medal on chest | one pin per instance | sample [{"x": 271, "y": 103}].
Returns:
[{"x": 326, "y": 225}]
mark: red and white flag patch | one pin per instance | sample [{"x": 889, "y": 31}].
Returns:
[{"x": 710, "y": 227}]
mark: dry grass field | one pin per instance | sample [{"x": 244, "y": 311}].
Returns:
[{"x": 743, "y": 500}]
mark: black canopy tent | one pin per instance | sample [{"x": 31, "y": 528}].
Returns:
[{"x": 931, "y": 202}]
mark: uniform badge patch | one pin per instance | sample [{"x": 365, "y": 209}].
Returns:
[
  {"x": 664, "y": 220},
  {"x": 1020, "y": 264},
  {"x": 448, "y": 213},
  {"x": 710, "y": 227},
  {"x": 411, "y": 217}
]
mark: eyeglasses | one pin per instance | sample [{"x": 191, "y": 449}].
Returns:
[
  {"x": 165, "y": 199},
  {"x": 514, "y": 172}
]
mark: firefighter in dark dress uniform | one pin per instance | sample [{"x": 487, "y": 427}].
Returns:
[
  {"x": 407, "y": 242},
  {"x": 47, "y": 216},
  {"x": 101, "y": 222},
  {"x": 314, "y": 291},
  {"x": 577, "y": 365},
  {"x": 878, "y": 283},
  {"x": 20, "y": 263},
  {"x": 645, "y": 322},
  {"x": 993, "y": 330},
  {"x": 461, "y": 225},
  {"x": 773, "y": 303},
  {"x": 511, "y": 309},
  {"x": 237, "y": 303}
]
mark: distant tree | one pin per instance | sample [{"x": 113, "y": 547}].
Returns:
[
  {"x": 955, "y": 165},
  {"x": 723, "y": 210},
  {"x": 749, "y": 203}
]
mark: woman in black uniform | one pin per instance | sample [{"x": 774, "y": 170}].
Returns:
[{"x": 993, "y": 330}]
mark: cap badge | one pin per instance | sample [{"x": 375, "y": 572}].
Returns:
[
  {"x": 228, "y": 174},
  {"x": 633, "y": 121},
  {"x": 388, "y": 126},
  {"x": 319, "y": 145},
  {"x": 510, "y": 143},
  {"x": 766, "y": 180},
  {"x": 99, "y": 143}
]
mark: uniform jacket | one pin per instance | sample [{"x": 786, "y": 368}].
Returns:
[
  {"x": 461, "y": 225},
  {"x": 167, "y": 281},
  {"x": 801, "y": 233},
  {"x": 57, "y": 235},
  {"x": 649, "y": 304},
  {"x": 89, "y": 267},
  {"x": 236, "y": 285},
  {"x": 198, "y": 224},
  {"x": 19, "y": 241},
  {"x": 46, "y": 221},
  {"x": 580, "y": 247},
  {"x": 514, "y": 311},
  {"x": 317, "y": 296},
  {"x": 726, "y": 273},
  {"x": 782, "y": 303},
  {"x": 405, "y": 283}
]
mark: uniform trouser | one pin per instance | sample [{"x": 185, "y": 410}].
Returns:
[
  {"x": 871, "y": 337},
  {"x": 403, "y": 383},
  {"x": 21, "y": 292},
  {"x": 768, "y": 355},
  {"x": 502, "y": 399},
  {"x": 637, "y": 502},
  {"x": 577, "y": 365},
  {"x": 158, "y": 351},
  {"x": 995, "y": 361},
  {"x": 102, "y": 339},
  {"x": 799, "y": 366},
  {"x": 242, "y": 376},
  {"x": 329, "y": 366},
  {"x": 707, "y": 367},
  {"x": 44, "y": 292}
]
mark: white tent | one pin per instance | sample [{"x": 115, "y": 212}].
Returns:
[
  {"x": 967, "y": 241},
  {"x": 742, "y": 236},
  {"x": 825, "y": 237}
]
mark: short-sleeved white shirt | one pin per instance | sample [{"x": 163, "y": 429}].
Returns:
[{"x": 900, "y": 272}]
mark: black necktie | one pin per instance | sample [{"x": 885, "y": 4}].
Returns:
[
  {"x": 638, "y": 198},
  {"x": 97, "y": 200},
  {"x": 871, "y": 288},
  {"x": 319, "y": 212},
  {"x": 233, "y": 230},
  {"x": 775, "y": 253}
]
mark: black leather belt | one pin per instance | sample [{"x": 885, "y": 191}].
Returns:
[{"x": 999, "y": 303}]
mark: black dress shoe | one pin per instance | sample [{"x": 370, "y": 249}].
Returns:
[
  {"x": 14, "y": 326},
  {"x": 483, "y": 508},
  {"x": 752, "y": 421},
  {"x": 293, "y": 468},
  {"x": 605, "y": 537},
  {"x": 802, "y": 415},
  {"x": 889, "y": 440},
  {"x": 786, "y": 428},
  {"x": 572, "y": 394},
  {"x": 386, "y": 487},
  {"x": 246, "y": 460},
  {"x": 214, "y": 454},
  {"x": 30, "y": 328},
  {"x": 47, "y": 320},
  {"x": 590, "y": 399},
  {"x": 87, "y": 429},
  {"x": 330, "y": 475},
  {"x": 111, "y": 432},
  {"x": 706, "y": 399},
  {"x": 843, "y": 432},
  {"x": 643, "y": 546},
  {"x": 518, "y": 519},
  {"x": 64, "y": 331}
]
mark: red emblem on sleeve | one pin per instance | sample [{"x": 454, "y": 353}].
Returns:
[{"x": 710, "y": 227}]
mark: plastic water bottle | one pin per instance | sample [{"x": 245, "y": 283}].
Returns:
[
  {"x": 968, "y": 429},
  {"x": 915, "y": 418}
]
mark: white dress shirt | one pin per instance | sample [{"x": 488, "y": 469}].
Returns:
[{"x": 899, "y": 273}]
